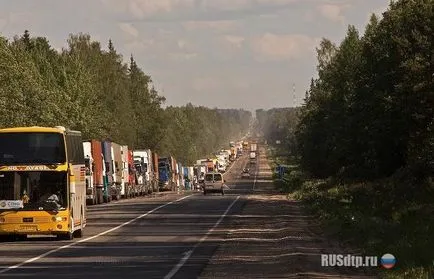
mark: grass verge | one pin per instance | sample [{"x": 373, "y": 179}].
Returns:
[{"x": 379, "y": 217}]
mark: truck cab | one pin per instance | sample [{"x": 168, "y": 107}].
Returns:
[
  {"x": 116, "y": 162},
  {"x": 221, "y": 165},
  {"x": 143, "y": 165},
  {"x": 165, "y": 172},
  {"x": 89, "y": 165}
]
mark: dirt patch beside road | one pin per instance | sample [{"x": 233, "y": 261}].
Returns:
[{"x": 272, "y": 238}]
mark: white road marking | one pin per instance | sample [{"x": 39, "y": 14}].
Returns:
[
  {"x": 259, "y": 230},
  {"x": 129, "y": 247},
  {"x": 89, "y": 238},
  {"x": 257, "y": 239},
  {"x": 256, "y": 258},
  {"x": 188, "y": 254}
]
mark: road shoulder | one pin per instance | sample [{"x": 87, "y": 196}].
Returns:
[{"x": 273, "y": 238}]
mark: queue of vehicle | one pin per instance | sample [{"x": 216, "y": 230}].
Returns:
[{"x": 48, "y": 176}]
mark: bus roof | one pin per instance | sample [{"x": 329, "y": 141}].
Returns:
[{"x": 36, "y": 129}]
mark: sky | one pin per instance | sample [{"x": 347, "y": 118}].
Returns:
[{"x": 218, "y": 53}]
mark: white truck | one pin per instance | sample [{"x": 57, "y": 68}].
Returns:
[
  {"x": 88, "y": 162},
  {"x": 201, "y": 170},
  {"x": 142, "y": 162},
  {"x": 222, "y": 164},
  {"x": 253, "y": 147}
]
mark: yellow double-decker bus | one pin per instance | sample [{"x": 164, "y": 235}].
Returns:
[{"x": 42, "y": 182}]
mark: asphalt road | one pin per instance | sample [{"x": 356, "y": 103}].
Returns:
[{"x": 171, "y": 236}]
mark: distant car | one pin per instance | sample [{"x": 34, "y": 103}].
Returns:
[
  {"x": 213, "y": 183},
  {"x": 245, "y": 173}
]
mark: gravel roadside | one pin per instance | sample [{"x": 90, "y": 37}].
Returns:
[{"x": 272, "y": 238}]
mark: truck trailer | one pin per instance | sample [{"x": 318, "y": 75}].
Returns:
[
  {"x": 119, "y": 188},
  {"x": 98, "y": 170},
  {"x": 175, "y": 173},
  {"x": 155, "y": 178},
  {"x": 94, "y": 161},
  {"x": 132, "y": 174},
  {"x": 126, "y": 193},
  {"x": 108, "y": 170},
  {"x": 253, "y": 147}
]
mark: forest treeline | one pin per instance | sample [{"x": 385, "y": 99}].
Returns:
[
  {"x": 278, "y": 125},
  {"x": 366, "y": 131},
  {"x": 87, "y": 88}
]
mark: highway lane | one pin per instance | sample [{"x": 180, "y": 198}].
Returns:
[
  {"x": 166, "y": 237},
  {"x": 240, "y": 185}
]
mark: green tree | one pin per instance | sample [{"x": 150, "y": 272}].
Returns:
[{"x": 90, "y": 89}]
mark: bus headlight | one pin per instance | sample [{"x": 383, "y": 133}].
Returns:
[
  {"x": 2, "y": 220},
  {"x": 57, "y": 218}
]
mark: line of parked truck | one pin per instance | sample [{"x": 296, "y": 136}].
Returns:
[
  {"x": 114, "y": 171},
  {"x": 219, "y": 162}
]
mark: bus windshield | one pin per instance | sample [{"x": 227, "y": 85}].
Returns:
[
  {"x": 38, "y": 190},
  {"x": 32, "y": 148}
]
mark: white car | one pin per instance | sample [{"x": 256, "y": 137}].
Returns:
[
  {"x": 213, "y": 182},
  {"x": 245, "y": 173}
]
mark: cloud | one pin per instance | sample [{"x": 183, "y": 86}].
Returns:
[
  {"x": 139, "y": 45},
  {"x": 268, "y": 16},
  {"x": 3, "y": 23},
  {"x": 194, "y": 10},
  {"x": 239, "y": 84},
  {"x": 129, "y": 29},
  {"x": 332, "y": 12},
  {"x": 236, "y": 5},
  {"x": 282, "y": 47},
  {"x": 181, "y": 44},
  {"x": 309, "y": 16},
  {"x": 236, "y": 41},
  {"x": 227, "y": 5},
  {"x": 143, "y": 9},
  {"x": 277, "y": 2},
  {"x": 204, "y": 84},
  {"x": 200, "y": 48},
  {"x": 182, "y": 56},
  {"x": 216, "y": 25}
]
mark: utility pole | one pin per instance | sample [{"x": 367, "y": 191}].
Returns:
[{"x": 293, "y": 92}]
